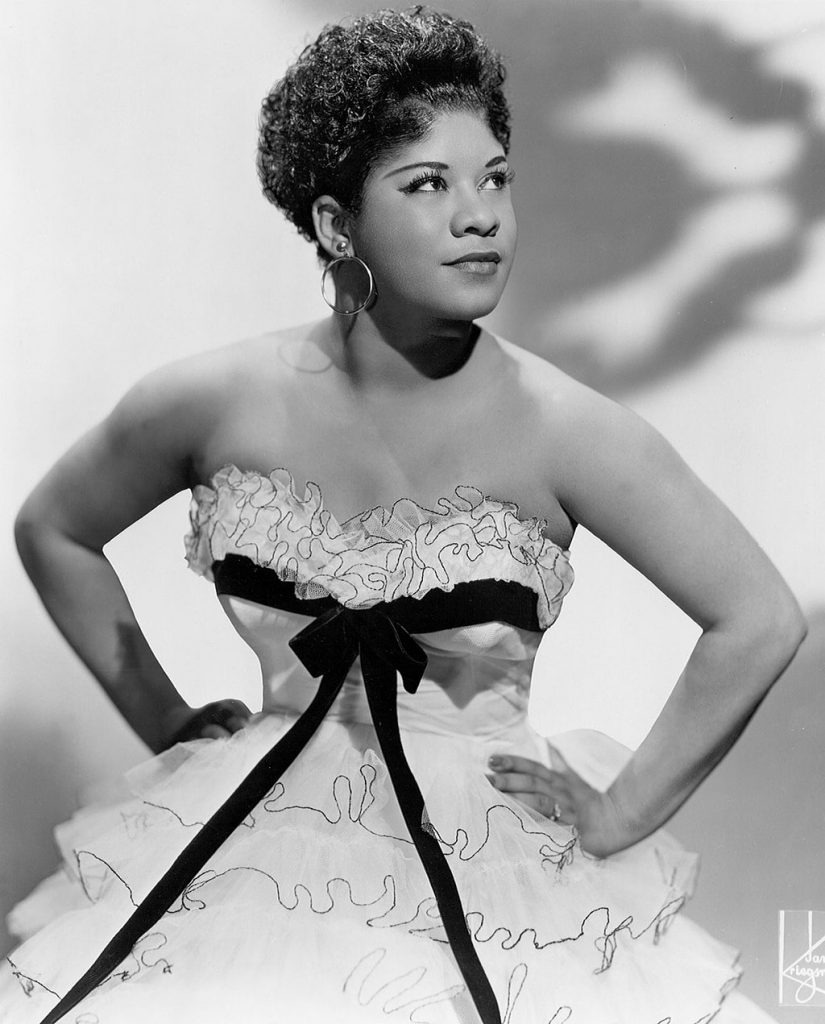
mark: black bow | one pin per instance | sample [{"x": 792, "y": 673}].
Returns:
[
  {"x": 327, "y": 647},
  {"x": 340, "y": 634}
]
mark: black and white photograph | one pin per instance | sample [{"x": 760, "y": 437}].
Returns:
[{"x": 413, "y": 606}]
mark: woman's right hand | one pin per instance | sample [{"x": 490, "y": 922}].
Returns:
[{"x": 216, "y": 720}]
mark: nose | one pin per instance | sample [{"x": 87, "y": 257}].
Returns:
[{"x": 474, "y": 214}]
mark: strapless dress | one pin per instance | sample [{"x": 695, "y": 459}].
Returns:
[{"x": 333, "y": 894}]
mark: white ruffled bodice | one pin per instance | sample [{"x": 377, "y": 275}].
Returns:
[
  {"x": 478, "y": 677},
  {"x": 377, "y": 555}
]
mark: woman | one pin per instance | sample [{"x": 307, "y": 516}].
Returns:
[{"x": 339, "y": 855}]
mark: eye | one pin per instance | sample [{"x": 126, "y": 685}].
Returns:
[
  {"x": 427, "y": 181},
  {"x": 498, "y": 179}
]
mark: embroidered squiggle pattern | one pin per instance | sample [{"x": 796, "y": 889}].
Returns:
[
  {"x": 350, "y": 804},
  {"x": 379, "y": 555},
  {"x": 385, "y": 906},
  {"x": 391, "y": 992},
  {"x": 28, "y": 984}
]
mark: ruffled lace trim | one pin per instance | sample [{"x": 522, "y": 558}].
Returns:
[{"x": 379, "y": 555}]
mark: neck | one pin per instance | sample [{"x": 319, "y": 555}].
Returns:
[{"x": 399, "y": 350}]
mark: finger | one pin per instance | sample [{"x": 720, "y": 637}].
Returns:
[
  {"x": 552, "y": 783},
  {"x": 558, "y": 805},
  {"x": 551, "y": 805},
  {"x": 516, "y": 782},
  {"x": 523, "y": 765},
  {"x": 210, "y": 714},
  {"x": 231, "y": 714},
  {"x": 237, "y": 707},
  {"x": 547, "y": 806},
  {"x": 532, "y": 800},
  {"x": 235, "y": 723},
  {"x": 228, "y": 714},
  {"x": 522, "y": 795},
  {"x": 561, "y": 811},
  {"x": 214, "y": 732}
]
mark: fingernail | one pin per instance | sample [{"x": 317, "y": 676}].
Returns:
[
  {"x": 492, "y": 780},
  {"x": 496, "y": 762}
]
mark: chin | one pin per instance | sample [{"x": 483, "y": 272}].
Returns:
[
  {"x": 473, "y": 309},
  {"x": 469, "y": 305},
  {"x": 446, "y": 303}
]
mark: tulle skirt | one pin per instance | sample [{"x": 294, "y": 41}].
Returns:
[{"x": 318, "y": 905}]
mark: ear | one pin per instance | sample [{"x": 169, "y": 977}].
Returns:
[{"x": 331, "y": 224}]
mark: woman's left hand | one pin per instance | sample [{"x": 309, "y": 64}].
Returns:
[{"x": 562, "y": 795}]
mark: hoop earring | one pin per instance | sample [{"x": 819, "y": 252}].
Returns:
[{"x": 351, "y": 281}]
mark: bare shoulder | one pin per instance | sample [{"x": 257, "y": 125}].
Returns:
[
  {"x": 539, "y": 377},
  {"x": 617, "y": 476},
  {"x": 563, "y": 407},
  {"x": 593, "y": 450},
  {"x": 220, "y": 371},
  {"x": 170, "y": 411},
  {"x": 147, "y": 448},
  {"x": 178, "y": 406}
]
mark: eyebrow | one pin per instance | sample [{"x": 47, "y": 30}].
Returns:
[{"x": 440, "y": 166}]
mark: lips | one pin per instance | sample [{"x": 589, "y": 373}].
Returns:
[{"x": 485, "y": 256}]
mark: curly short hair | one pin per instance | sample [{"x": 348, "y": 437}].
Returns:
[{"x": 360, "y": 91}]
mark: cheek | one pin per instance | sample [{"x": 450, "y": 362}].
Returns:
[
  {"x": 509, "y": 227},
  {"x": 513, "y": 225},
  {"x": 403, "y": 256}
]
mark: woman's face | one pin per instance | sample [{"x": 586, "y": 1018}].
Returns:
[{"x": 436, "y": 225}]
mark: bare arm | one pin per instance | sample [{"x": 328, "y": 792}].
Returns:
[
  {"x": 120, "y": 470},
  {"x": 624, "y": 482}
]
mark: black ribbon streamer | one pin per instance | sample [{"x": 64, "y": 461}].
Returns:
[{"x": 328, "y": 647}]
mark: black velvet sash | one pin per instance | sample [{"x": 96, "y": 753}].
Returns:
[{"x": 328, "y": 647}]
